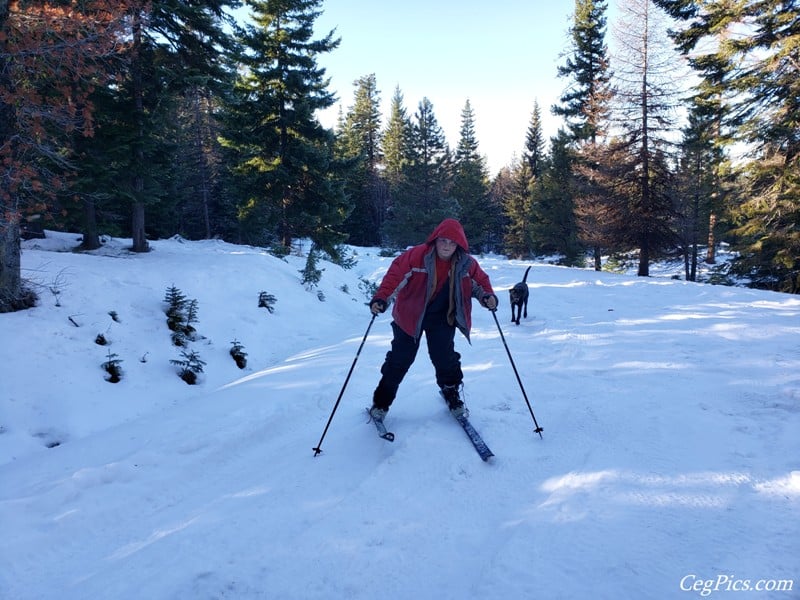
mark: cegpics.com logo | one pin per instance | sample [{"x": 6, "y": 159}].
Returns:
[{"x": 729, "y": 583}]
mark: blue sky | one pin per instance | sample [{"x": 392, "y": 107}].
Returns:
[{"x": 502, "y": 57}]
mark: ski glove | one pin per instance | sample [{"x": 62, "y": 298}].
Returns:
[
  {"x": 490, "y": 302},
  {"x": 377, "y": 306}
]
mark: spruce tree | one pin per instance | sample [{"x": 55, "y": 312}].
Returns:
[
  {"x": 534, "y": 143},
  {"x": 585, "y": 102},
  {"x": 283, "y": 155},
  {"x": 647, "y": 96},
  {"x": 553, "y": 226},
  {"x": 586, "y": 105},
  {"x": 517, "y": 199},
  {"x": 396, "y": 139},
  {"x": 471, "y": 184},
  {"x": 174, "y": 44},
  {"x": 422, "y": 197},
  {"x": 697, "y": 185},
  {"x": 752, "y": 72},
  {"x": 359, "y": 143}
]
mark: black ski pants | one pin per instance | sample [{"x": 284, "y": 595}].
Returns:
[{"x": 439, "y": 336}]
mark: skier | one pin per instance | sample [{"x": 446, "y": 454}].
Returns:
[{"x": 432, "y": 286}]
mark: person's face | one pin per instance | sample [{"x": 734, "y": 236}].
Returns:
[{"x": 445, "y": 248}]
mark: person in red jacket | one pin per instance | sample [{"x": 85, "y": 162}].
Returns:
[{"x": 432, "y": 286}]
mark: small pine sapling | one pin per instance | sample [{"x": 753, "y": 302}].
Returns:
[
  {"x": 190, "y": 366},
  {"x": 181, "y": 313},
  {"x": 191, "y": 317},
  {"x": 176, "y": 305},
  {"x": 238, "y": 354},
  {"x": 111, "y": 366},
  {"x": 267, "y": 301},
  {"x": 368, "y": 288},
  {"x": 311, "y": 274},
  {"x": 339, "y": 256}
]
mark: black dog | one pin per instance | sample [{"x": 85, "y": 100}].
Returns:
[{"x": 519, "y": 298}]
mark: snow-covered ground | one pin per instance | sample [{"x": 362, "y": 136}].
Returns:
[{"x": 669, "y": 465}]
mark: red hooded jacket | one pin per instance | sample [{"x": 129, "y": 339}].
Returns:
[{"x": 410, "y": 280}]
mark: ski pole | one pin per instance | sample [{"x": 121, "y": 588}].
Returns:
[
  {"x": 318, "y": 449},
  {"x": 502, "y": 337}
]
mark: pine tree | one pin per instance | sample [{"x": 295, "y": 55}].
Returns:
[
  {"x": 471, "y": 185},
  {"x": 696, "y": 185},
  {"x": 585, "y": 103},
  {"x": 553, "y": 225},
  {"x": 710, "y": 104},
  {"x": 396, "y": 140},
  {"x": 533, "y": 157},
  {"x": 175, "y": 44},
  {"x": 202, "y": 209},
  {"x": 51, "y": 54},
  {"x": 534, "y": 143},
  {"x": 423, "y": 195},
  {"x": 517, "y": 199},
  {"x": 756, "y": 72},
  {"x": 360, "y": 142},
  {"x": 282, "y": 153},
  {"x": 603, "y": 187},
  {"x": 647, "y": 98}
]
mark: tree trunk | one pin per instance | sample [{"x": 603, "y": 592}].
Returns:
[
  {"x": 137, "y": 221},
  {"x": 201, "y": 127},
  {"x": 139, "y": 237},
  {"x": 711, "y": 257},
  {"x": 11, "y": 292},
  {"x": 91, "y": 239},
  {"x": 644, "y": 256}
]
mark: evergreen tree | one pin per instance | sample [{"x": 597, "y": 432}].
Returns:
[
  {"x": 423, "y": 194},
  {"x": 282, "y": 153},
  {"x": 396, "y": 139},
  {"x": 553, "y": 226},
  {"x": 711, "y": 107},
  {"x": 647, "y": 99},
  {"x": 757, "y": 72},
  {"x": 202, "y": 210},
  {"x": 360, "y": 142},
  {"x": 517, "y": 200},
  {"x": 585, "y": 103},
  {"x": 174, "y": 44},
  {"x": 471, "y": 185},
  {"x": 51, "y": 54},
  {"x": 604, "y": 185},
  {"x": 697, "y": 182},
  {"x": 534, "y": 143},
  {"x": 769, "y": 93},
  {"x": 534, "y": 158},
  {"x": 586, "y": 106}
]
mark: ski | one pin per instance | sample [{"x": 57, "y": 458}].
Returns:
[
  {"x": 475, "y": 438},
  {"x": 382, "y": 432}
]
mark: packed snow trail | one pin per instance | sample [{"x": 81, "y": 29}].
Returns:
[{"x": 670, "y": 411}]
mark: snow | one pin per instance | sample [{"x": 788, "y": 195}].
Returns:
[{"x": 669, "y": 465}]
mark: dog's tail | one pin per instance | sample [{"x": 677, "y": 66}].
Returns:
[{"x": 525, "y": 278}]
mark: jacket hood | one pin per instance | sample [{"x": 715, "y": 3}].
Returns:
[{"x": 452, "y": 230}]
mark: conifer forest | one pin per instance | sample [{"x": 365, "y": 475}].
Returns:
[{"x": 147, "y": 119}]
